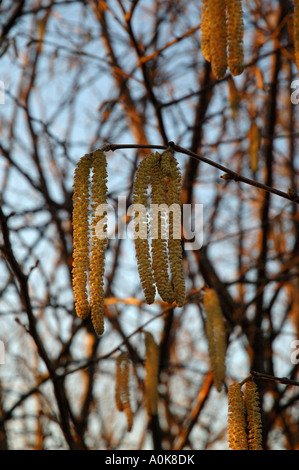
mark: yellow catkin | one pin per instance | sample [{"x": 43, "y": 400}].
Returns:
[
  {"x": 205, "y": 31},
  {"x": 296, "y": 32},
  {"x": 158, "y": 237},
  {"x": 99, "y": 240},
  {"x": 151, "y": 374},
  {"x": 218, "y": 39},
  {"x": 172, "y": 175},
  {"x": 126, "y": 395},
  {"x": 216, "y": 336},
  {"x": 237, "y": 437},
  {"x": 254, "y": 420},
  {"x": 235, "y": 31},
  {"x": 142, "y": 247},
  {"x": 122, "y": 392},
  {"x": 118, "y": 381},
  {"x": 81, "y": 235}
]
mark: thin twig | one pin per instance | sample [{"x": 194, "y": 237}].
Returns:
[
  {"x": 282, "y": 380},
  {"x": 227, "y": 173}
]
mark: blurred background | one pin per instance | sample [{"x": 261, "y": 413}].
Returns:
[{"x": 76, "y": 75}]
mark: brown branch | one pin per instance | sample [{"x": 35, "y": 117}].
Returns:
[
  {"x": 174, "y": 41},
  {"x": 202, "y": 396},
  {"x": 147, "y": 79},
  {"x": 226, "y": 171},
  {"x": 282, "y": 380},
  {"x": 14, "y": 17},
  {"x": 135, "y": 120},
  {"x": 197, "y": 134}
]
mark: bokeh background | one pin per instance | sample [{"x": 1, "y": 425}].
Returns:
[{"x": 80, "y": 74}]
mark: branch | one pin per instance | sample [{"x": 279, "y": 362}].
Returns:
[
  {"x": 23, "y": 287},
  {"x": 228, "y": 174},
  {"x": 202, "y": 397},
  {"x": 281, "y": 380},
  {"x": 14, "y": 17}
]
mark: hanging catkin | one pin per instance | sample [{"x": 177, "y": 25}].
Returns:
[
  {"x": 254, "y": 420},
  {"x": 151, "y": 374},
  {"x": 99, "y": 240},
  {"x": 205, "y": 31},
  {"x": 218, "y": 38},
  {"x": 237, "y": 437},
  {"x": 81, "y": 235},
  {"x": 296, "y": 32},
  {"x": 122, "y": 392},
  {"x": 216, "y": 336},
  {"x": 142, "y": 247},
  {"x": 158, "y": 235},
  {"x": 172, "y": 175},
  {"x": 118, "y": 382},
  {"x": 235, "y": 31}
]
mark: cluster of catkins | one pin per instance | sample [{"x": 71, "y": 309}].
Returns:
[
  {"x": 244, "y": 417},
  {"x": 222, "y": 31},
  {"x": 165, "y": 253},
  {"x": 155, "y": 262},
  {"x": 88, "y": 259}
]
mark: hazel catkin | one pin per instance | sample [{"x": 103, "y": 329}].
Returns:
[
  {"x": 81, "y": 235},
  {"x": 237, "y": 437},
  {"x": 216, "y": 336},
  {"x": 151, "y": 374},
  {"x": 253, "y": 413},
  {"x": 158, "y": 212},
  {"x": 142, "y": 247},
  {"x": 235, "y": 31},
  {"x": 205, "y": 31},
  {"x": 218, "y": 37},
  {"x": 118, "y": 382},
  {"x": 222, "y": 30},
  {"x": 99, "y": 240},
  {"x": 172, "y": 175},
  {"x": 152, "y": 261},
  {"x": 122, "y": 392}
]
